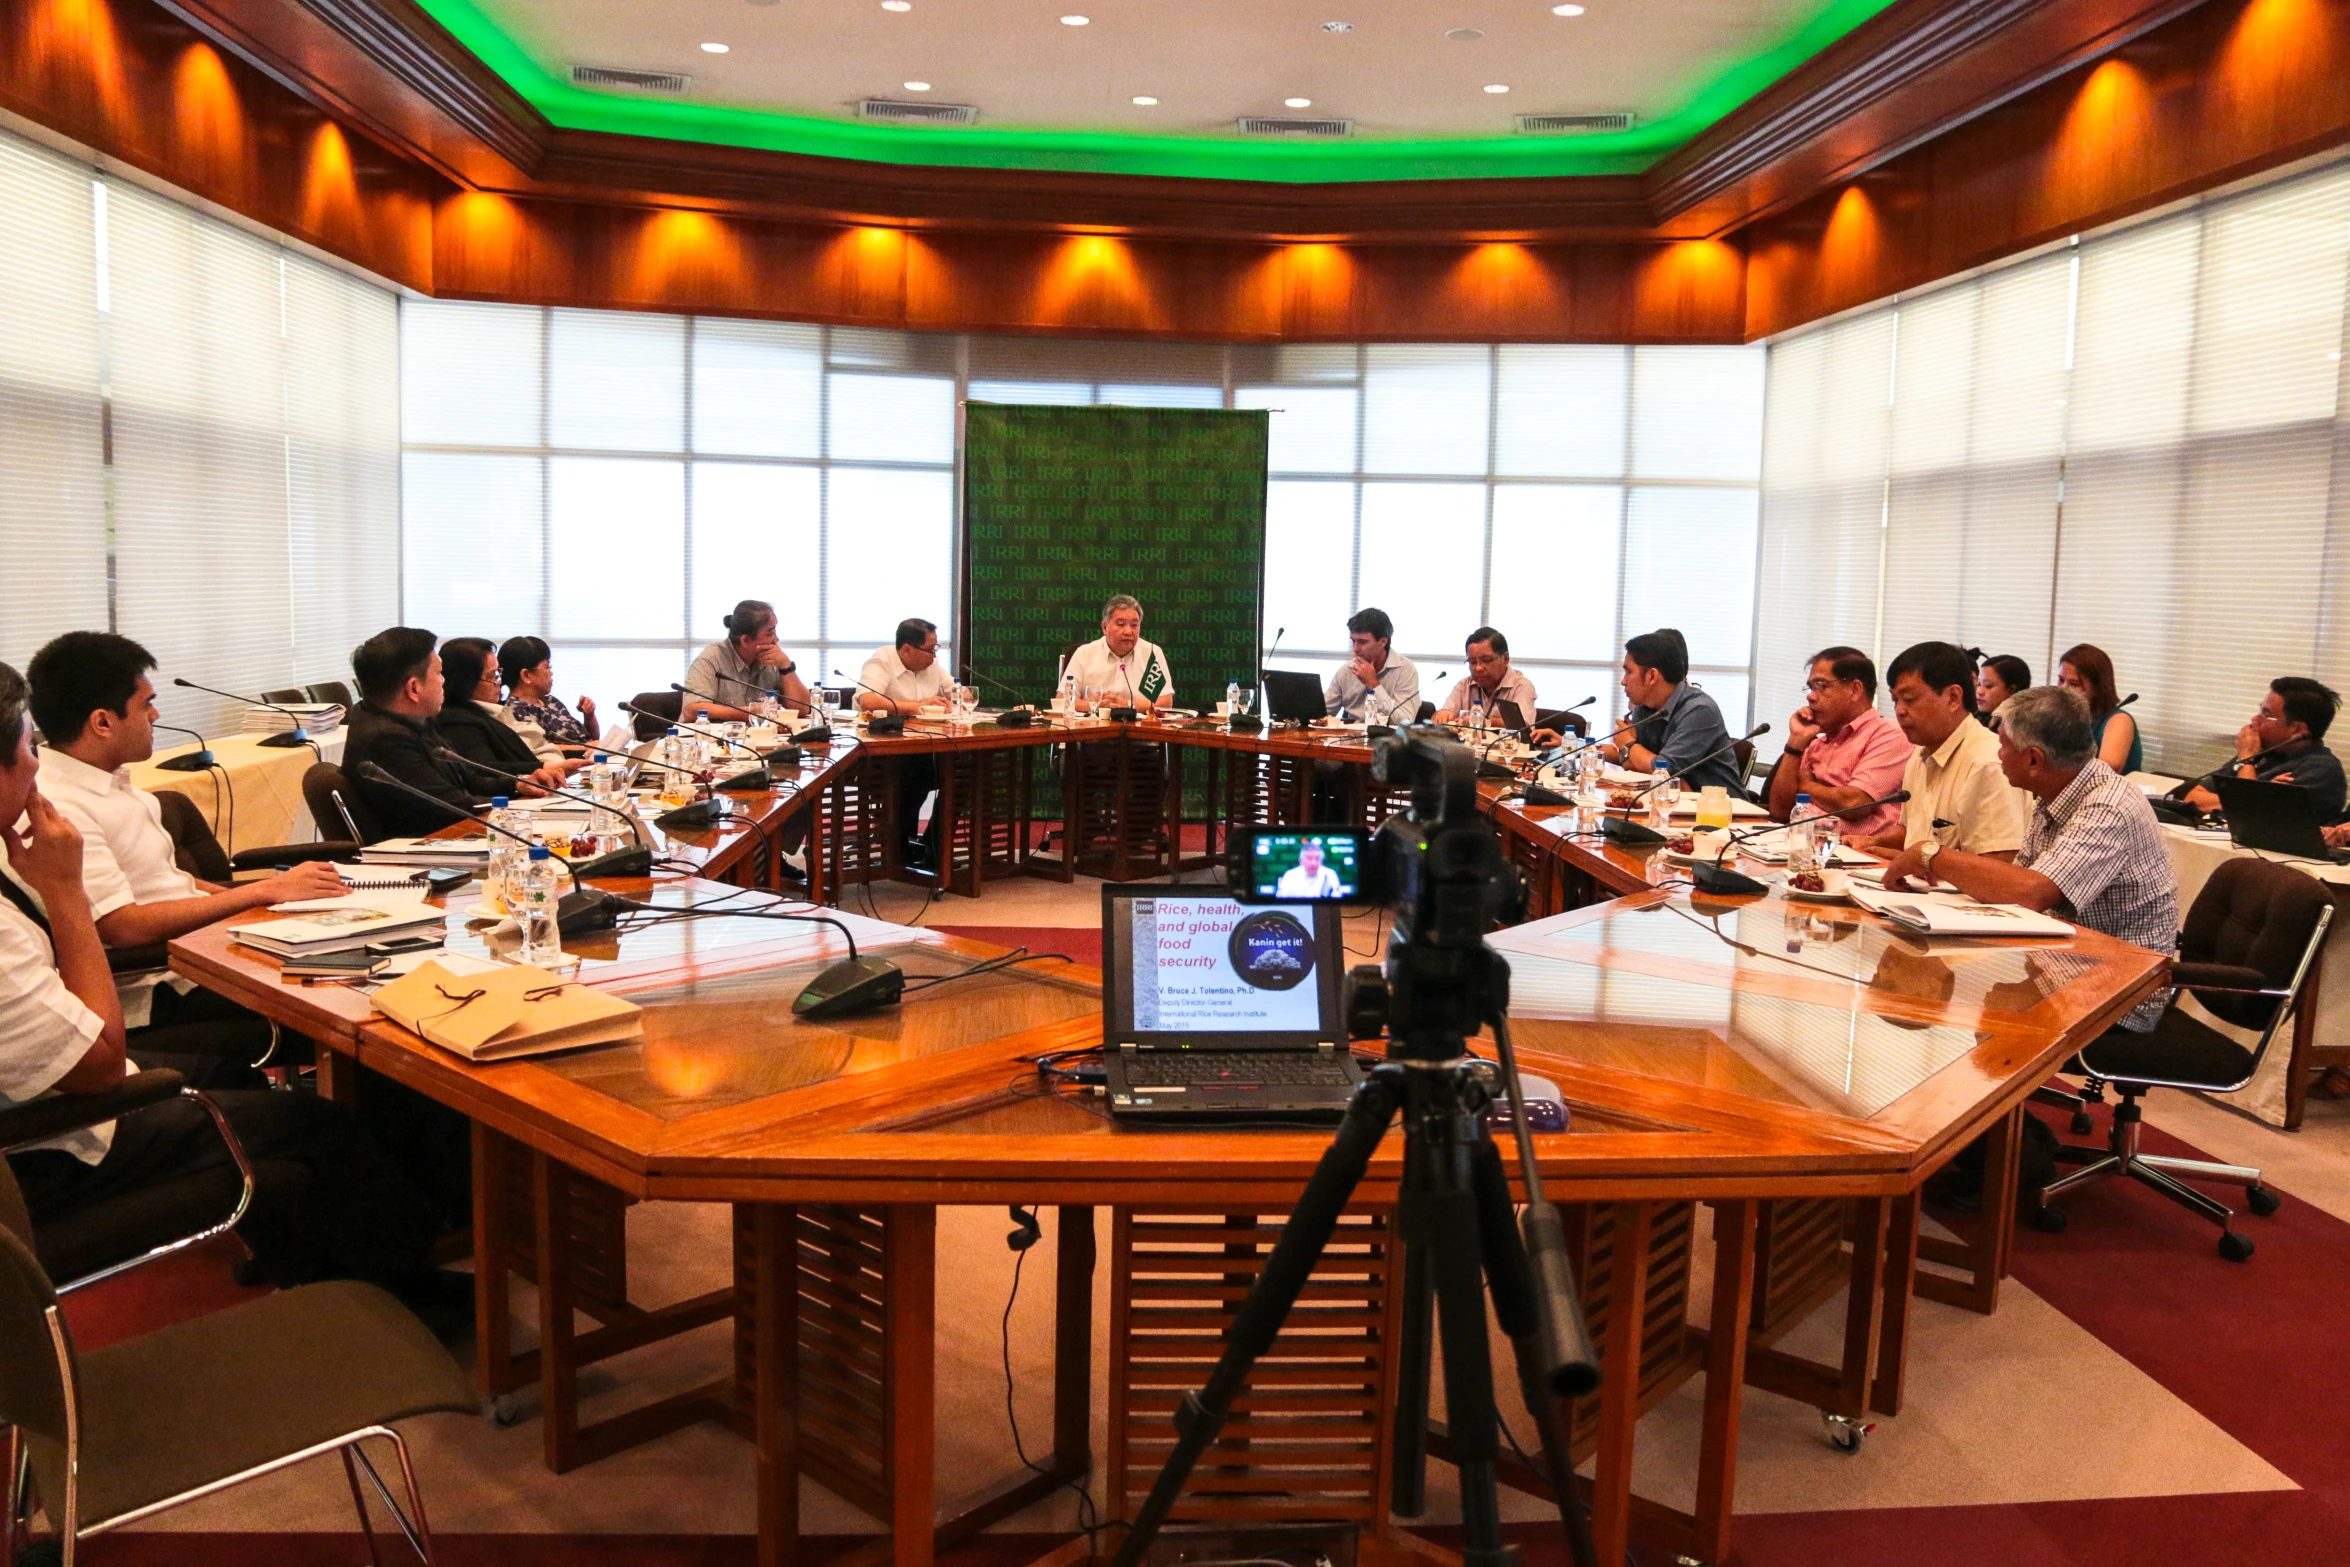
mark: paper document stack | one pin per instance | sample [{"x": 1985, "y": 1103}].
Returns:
[
  {"x": 319, "y": 718},
  {"x": 465, "y": 853},
  {"x": 338, "y": 925}
]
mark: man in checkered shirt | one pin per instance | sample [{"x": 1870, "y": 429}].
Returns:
[{"x": 2093, "y": 853}]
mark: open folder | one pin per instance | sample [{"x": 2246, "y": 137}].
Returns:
[
  {"x": 515, "y": 1010},
  {"x": 1955, "y": 914}
]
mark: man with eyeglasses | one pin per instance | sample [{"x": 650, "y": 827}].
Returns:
[{"x": 1840, "y": 750}]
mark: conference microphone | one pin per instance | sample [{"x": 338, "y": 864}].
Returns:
[
  {"x": 194, "y": 762},
  {"x": 581, "y": 910},
  {"x": 892, "y": 722},
  {"x": 753, "y": 780},
  {"x": 1019, "y": 716},
  {"x": 1622, "y": 829},
  {"x": 1716, "y": 875},
  {"x": 620, "y": 862},
  {"x": 1129, "y": 713},
  {"x": 1577, "y": 749},
  {"x": 277, "y": 742},
  {"x": 700, "y": 813},
  {"x": 814, "y": 734}
]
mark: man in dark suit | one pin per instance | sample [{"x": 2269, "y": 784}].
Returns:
[
  {"x": 471, "y": 725},
  {"x": 396, "y": 727}
]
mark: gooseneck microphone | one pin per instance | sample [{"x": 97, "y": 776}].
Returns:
[
  {"x": 1130, "y": 712},
  {"x": 582, "y": 909},
  {"x": 814, "y": 734},
  {"x": 892, "y": 722},
  {"x": 1622, "y": 829},
  {"x": 195, "y": 761},
  {"x": 277, "y": 742},
  {"x": 620, "y": 862},
  {"x": 751, "y": 780},
  {"x": 1019, "y": 716},
  {"x": 1678, "y": 773},
  {"x": 1715, "y": 875}
]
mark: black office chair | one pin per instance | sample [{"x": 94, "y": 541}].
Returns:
[
  {"x": 335, "y": 691},
  {"x": 2247, "y": 950},
  {"x": 1561, "y": 722},
  {"x": 333, "y": 800},
  {"x": 664, "y": 706},
  {"x": 288, "y": 697}
]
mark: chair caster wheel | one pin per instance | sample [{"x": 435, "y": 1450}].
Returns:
[
  {"x": 2262, "y": 1201},
  {"x": 2235, "y": 1247},
  {"x": 2082, "y": 1125},
  {"x": 2050, "y": 1221},
  {"x": 505, "y": 1410},
  {"x": 1844, "y": 1434}
]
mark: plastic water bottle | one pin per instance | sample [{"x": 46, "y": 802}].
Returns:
[
  {"x": 1802, "y": 837},
  {"x": 1825, "y": 832},
  {"x": 1068, "y": 701},
  {"x": 1231, "y": 696},
  {"x": 534, "y": 908},
  {"x": 505, "y": 854}
]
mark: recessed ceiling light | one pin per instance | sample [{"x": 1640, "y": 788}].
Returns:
[
  {"x": 1299, "y": 103},
  {"x": 713, "y": 48},
  {"x": 1338, "y": 27},
  {"x": 1075, "y": 21},
  {"x": 1497, "y": 87},
  {"x": 1566, "y": 10},
  {"x": 1464, "y": 35},
  {"x": 917, "y": 87},
  {"x": 1146, "y": 101},
  {"x": 897, "y": 5}
]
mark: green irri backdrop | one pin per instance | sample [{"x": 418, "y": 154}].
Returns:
[{"x": 1063, "y": 507}]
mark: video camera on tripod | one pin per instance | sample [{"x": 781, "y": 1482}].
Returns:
[{"x": 1439, "y": 868}]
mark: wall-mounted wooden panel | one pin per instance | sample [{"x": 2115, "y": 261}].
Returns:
[
  {"x": 2220, "y": 94},
  {"x": 137, "y": 84}
]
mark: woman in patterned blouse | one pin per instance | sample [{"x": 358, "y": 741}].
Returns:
[{"x": 526, "y": 667}]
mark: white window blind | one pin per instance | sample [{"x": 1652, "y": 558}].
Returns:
[
  {"x": 2136, "y": 442},
  {"x": 52, "y": 476}
]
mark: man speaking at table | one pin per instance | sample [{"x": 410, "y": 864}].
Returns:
[
  {"x": 899, "y": 679},
  {"x": 1309, "y": 877},
  {"x": 1120, "y": 669}
]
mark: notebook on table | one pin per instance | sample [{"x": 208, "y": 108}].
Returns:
[{"x": 1216, "y": 1010}]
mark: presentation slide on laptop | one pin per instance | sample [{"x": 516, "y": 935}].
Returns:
[{"x": 1209, "y": 965}]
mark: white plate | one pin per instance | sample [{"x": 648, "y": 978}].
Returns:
[
  {"x": 484, "y": 911},
  {"x": 1802, "y": 896}
]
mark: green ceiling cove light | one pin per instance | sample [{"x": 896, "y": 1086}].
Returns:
[{"x": 1194, "y": 155}]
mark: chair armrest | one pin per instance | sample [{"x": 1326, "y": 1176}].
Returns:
[
  {"x": 138, "y": 960},
  {"x": 2222, "y": 976},
  {"x": 292, "y": 854},
  {"x": 56, "y": 1114}
]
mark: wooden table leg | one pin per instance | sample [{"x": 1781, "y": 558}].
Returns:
[
  {"x": 1725, "y": 1380},
  {"x": 1619, "y": 1398},
  {"x": 495, "y": 1370},
  {"x": 1985, "y": 1254},
  {"x": 911, "y": 1316},
  {"x": 558, "y": 1372},
  {"x": 1862, "y": 1319},
  {"x": 775, "y": 1335},
  {"x": 1073, "y": 1344},
  {"x": 1901, "y": 1266}
]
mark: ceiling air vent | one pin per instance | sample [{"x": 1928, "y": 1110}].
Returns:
[
  {"x": 1276, "y": 125},
  {"x": 647, "y": 81},
  {"x": 899, "y": 111},
  {"x": 1571, "y": 124}
]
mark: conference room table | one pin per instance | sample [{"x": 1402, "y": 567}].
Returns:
[
  {"x": 1796, "y": 1070},
  {"x": 252, "y": 795}
]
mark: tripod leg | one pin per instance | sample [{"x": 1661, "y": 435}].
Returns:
[
  {"x": 1201, "y": 1415},
  {"x": 1409, "y": 1462},
  {"x": 1511, "y": 1276},
  {"x": 1440, "y": 1217}
]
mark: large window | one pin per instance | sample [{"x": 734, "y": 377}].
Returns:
[
  {"x": 614, "y": 482},
  {"x": 2135, "y": 441},
  {"x": 198, "y": 437}
]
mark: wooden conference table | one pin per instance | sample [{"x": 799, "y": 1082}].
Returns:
[{"x": 1798, "y": 1070}]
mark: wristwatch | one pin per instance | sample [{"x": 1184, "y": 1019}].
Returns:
[{"x": 1927, "y": 851}]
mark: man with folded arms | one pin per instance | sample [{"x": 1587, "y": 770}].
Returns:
[
  {"x": 1954, "y": 775},
  {"x": 329, "y": 1205},
  {"x": 2093, "y": 853},
  {"x": 93, "y": 701},
  {"x": 1840, "y": 750}
]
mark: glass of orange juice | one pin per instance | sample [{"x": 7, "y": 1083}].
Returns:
[{"x": 1713, "y": 808}]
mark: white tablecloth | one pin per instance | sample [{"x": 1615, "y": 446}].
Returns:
[{"x": 2195, "y": 855}]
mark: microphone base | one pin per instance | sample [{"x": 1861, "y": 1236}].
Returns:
[
  {"x": 820, "y": 735},
  {"x": 1720, "y": 878},
  {"x": 1622, "y": 829},
  {"x": 284, "y": 742},
  {"x": 785, "y": 756},
  {"x": 1492, "y": 769},
  {"x": 1123, "y": 715},
  {"x": 1015, "y": 718},
  {"x": 892, "y": 724},
  {"x": 637, "y": 861},
  {"x": 851, "y": 986},
  {"x": 2177, "y": 813},
  {"x": 1537, "y": 795},
  {"x": 757, "y": 781},
  {"x": 1245, "y": 724},
  {"x": 699, "y": 814},
  {"x": 193, "y": 762},
  {"x": 585, "y": 911}
]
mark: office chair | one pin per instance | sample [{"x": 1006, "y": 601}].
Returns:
[
  {"x": 1561, "y": 722},
  {"x": 199, "y": 853},
  {"x": 288, "y": 697},
  {"x": 1742, "y": 752},
  {"x": 335, "y": 691},
  {"x": 322, "y": 785},
  {"x": 132, "y": 1430},
  {"x": 2247, "y": 950},
  {"x": 664, "y": 705}
]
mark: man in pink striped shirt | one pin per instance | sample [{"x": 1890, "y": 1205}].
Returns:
[{"x": 1840, "y": 750}]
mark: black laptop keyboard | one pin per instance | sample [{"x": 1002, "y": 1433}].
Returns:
[{"x": 1196, "y": 1069}]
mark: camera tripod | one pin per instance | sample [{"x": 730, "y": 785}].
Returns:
[{"x": 1453, "y": 1216}]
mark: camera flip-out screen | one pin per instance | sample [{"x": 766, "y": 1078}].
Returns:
[{"x": 1294, "y": 865}]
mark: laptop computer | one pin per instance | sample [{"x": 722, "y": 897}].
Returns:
[
  {"x": 2280, "y": 818},
  {"x": 1293, "y": 697},
  {"x": 1215, "y": 1010}
]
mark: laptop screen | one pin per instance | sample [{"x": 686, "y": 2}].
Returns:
[{"x": 1197, "y": 970}]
